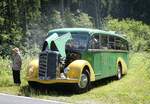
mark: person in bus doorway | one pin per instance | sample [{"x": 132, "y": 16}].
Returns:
[{"x": 16, "y": 65}]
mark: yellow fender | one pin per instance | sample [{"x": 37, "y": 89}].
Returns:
[
  {"x": 124, "y": 65},
  {"x": 33, "y": 69},
  {"x": 76, "y": 68}
]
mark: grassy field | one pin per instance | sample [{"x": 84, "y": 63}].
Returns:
[{"x": 134, "y": 88}]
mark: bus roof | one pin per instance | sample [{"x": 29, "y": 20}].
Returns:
[{"x": 90, "y": 31}]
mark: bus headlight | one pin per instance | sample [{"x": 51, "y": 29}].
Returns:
[{"x": 66, "y": 70}]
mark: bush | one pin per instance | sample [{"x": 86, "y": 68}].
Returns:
[
  {"x": 5, "y": 72},
  {"x": 6, "y": 78},
  {"x": 136, "y": 32}
]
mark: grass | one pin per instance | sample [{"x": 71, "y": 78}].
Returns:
[{"x": 134, "y": 88}]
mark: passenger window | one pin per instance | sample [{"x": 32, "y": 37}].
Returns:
[
  {"x": 118, "y": 44},
  {"x": 124, "y": 45},
  {"x": 121, "y": 44},
  {"x": 95, "y": 42},
  {"x": 111, "y": 42},
  {"x": 104, "y": 41}
]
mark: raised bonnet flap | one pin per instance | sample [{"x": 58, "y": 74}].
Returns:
[{"x": 60, "y": 42}]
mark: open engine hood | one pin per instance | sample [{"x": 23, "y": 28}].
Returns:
[{"x": 60, "y": 42}]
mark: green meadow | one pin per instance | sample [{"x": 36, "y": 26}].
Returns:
[{"x": 133, "y": 88}]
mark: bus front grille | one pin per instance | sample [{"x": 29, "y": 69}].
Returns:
[
  {"x": 48, "y": 63},
  {"x": 43, "y": 65}
]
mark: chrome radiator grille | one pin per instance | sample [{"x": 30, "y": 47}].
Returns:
[
  {"x": 43, "y": 65},
  {"x": 48, "y": 63}
]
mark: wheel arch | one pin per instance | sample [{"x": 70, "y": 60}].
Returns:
[
  {"x": 123, "y": 64},
  {"x": 86, "y": 67},
  {"x": 78, "y": 66},
  {"x": 32, "y": 69}
]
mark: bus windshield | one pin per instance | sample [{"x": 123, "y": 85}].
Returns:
[{"x": 78, "y": 42}]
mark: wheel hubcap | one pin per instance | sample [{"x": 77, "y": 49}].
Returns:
[
  {"x": 84, "y": 81},
  {"x": 119, "y": 73}
]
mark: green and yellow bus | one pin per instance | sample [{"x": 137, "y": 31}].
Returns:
[{"x": 79, "y": 56}]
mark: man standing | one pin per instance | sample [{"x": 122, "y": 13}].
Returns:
[{"x": 16, "y": 65}]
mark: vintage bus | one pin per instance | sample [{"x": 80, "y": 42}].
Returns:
[{"x": 79, "y": 56}]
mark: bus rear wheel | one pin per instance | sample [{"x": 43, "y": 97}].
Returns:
[{"x": 119, "y": 72}]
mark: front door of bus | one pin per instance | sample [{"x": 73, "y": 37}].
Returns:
[
  {"x": 97, "y": 64},
  {"x": 95, "y": 54}
]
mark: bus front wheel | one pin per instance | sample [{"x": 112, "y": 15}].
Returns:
[{"x": 84, "y": 83}]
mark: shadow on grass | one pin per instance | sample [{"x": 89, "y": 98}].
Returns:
[
  {"x": 50, "y": 90},
  {"x": 58, "y": 89},
  {"x": 102, "y": 82}
]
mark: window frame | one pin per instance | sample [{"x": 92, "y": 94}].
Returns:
[{"x": 105, "y": 41}]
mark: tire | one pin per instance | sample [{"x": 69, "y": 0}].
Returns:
[
  {"x": 119, "y": 72},
  {"x": 84, "y": 84}
]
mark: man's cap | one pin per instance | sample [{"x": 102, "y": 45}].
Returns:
[{"x": 16, "y": 50}]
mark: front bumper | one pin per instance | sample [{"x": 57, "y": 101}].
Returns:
[{"x": 52, "y": 81}]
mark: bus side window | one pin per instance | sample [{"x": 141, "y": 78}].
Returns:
[
  {"x": 118, "y": 43},
  {"x": 121, "y": 44},
  {"x": 111, "y": 42},
  {"x": 104, "y": 41},
  {"x": 95, "y": 42},
  {"x": 124, "y": 45}
]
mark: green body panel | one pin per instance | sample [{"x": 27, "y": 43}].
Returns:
[{"x": 104, "y": 63}]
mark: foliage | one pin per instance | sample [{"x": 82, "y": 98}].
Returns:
[
  {"x": 56, "y": 20},
  {"x": 84, "y": 21},
  {"x": 6, "y": 79},
  {"x": 14, "y": 18},
  {"x": 80, "y": 19},
  {"x": 33, "y": 50},
  {"x": 136, "y": 32},
  {"x": 33, "y": 10},
  {"x": 69, "y": 19},
  {"x": 36, "y": 17},
  {"x": 9, "y": 40},
  {"x": 5, "y": 72},
  {"x": 1, "y": 21}
]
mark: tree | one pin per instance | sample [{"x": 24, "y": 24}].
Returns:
[
  {"x": 137, "y": 32},
  {"x": 56, "y": 20},
  {"x": 84, "y": 21}
]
